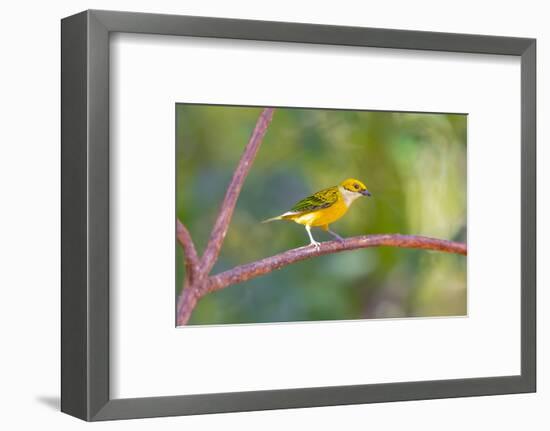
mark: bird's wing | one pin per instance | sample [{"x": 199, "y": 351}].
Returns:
[{"x": 319, "y": 200}]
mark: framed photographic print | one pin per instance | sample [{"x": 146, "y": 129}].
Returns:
[{"x": 262, "y": 215}]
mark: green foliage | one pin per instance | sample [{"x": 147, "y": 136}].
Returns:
[{"x": 414, "y": 165}]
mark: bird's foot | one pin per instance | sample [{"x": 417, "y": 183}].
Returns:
[{"x": 316, "y": 244}]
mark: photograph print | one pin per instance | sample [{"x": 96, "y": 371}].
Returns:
[{"x": 306, "y": 214}]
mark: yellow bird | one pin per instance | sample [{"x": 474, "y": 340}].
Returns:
[{"x": 324, "y": 207}]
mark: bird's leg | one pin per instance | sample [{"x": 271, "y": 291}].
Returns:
[
  {"x": 313, "y": 242},
  {"x": 334, "y": 234}
]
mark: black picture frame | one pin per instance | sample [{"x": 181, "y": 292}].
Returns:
[{"x": 85, "y": 214}]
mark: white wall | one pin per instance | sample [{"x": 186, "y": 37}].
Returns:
[{"x": 29, "y": 235}]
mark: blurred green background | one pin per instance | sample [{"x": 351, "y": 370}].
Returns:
[{"x": 413, "y": 163}]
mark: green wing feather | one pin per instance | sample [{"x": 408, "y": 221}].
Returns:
[{"x": 319, "y": 200}]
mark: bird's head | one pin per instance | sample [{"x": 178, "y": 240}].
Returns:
[{"x": 355, "y": 186}]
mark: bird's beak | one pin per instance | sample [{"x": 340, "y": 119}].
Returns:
[{"x": 365, "y": 193}]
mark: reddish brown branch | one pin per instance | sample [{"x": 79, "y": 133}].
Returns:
[
  {"x": 246, "y": 272},
  {"x": 233, "y": 190},
  {"x": 186, "y": 304},
  {"x": 191, "y": 257}
]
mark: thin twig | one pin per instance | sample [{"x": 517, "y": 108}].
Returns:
[
  {"x": 191, "y": 257},
  {"x": 233, "y": 190},
  {"x": 186, "y": 304},
  {"x": 252, "y": 270}
]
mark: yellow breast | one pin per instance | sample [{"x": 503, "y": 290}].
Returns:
[{"x": 323, "y": 216}]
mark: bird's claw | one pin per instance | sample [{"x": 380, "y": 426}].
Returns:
[{"x": 316, "y": 245}]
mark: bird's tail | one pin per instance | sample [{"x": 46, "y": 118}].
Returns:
[{"x": 280, "y": 217}]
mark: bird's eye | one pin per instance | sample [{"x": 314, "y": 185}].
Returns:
[{"x": 356, "y": 186}]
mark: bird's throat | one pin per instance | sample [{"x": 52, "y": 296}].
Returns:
[{"x": 349, "y": 197}]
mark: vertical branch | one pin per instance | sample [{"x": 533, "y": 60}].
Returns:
[
  {"x": 191, "y": 257},
  {"x": 186, "y": 304},
  {"x": 188, "y": 298},
  {"x": 233, "y": 190}
]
